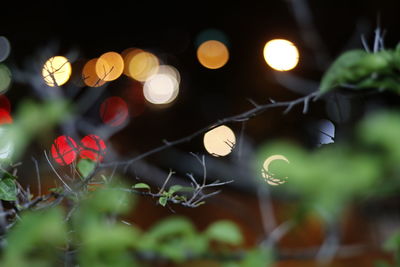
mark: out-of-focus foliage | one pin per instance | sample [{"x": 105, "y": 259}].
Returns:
[
  {"x": 38, "y": 240},
  {"x": 32, "y": 120},
  {"x": 100, "y": 239},
  {"x": 361, "y": 69},
  {"x": 94, "y": 235},
  {"x": 327, "y": 179},
  {"x": 8, "y": 187}
]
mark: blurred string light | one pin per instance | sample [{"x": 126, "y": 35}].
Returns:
[
  {"x": 56, "y": 71},
  {"x": 127, "y": 56},
  {"x": 5, "y": 78},
  {"x": 109, "y": 66},
  {"x": 212, "y": 54},
  {"x": 114, "y": 111},
  {"x": 219, "y": 141},
  {"x": 162, "y": 87},
  {"x": 267, "y": 175},
  {"x": 89, "y": 75},
  {"x": 92, "y": 147},
  {"x": 64, "y": 150},
  {"x": 142, "y": 65},
  {"x": 281, "y": 55},
  {"x": 5, "y": 48}
]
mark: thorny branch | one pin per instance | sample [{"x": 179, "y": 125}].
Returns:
[{"x": 257, "y": 110}]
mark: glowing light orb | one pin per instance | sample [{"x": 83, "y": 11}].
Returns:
[
  {"x": 114, "y": 111},
  {"x": 89, "y": 75},
  {"x": 142, "y": 65},
  {"x": 92, "y": 147},
  {"x": 219, "y": 141},
  {"x": 5, "y": 48},
  {"x": 5, "y": 78},
  {"x": 64, "y": 150},
  {"x": 109, "y": 66},
  {"x": 281, "y": 55},
  {"x": 56, "y": 71},
  {"x": 127, "y": 56},
  {"x": 267, "y": 175},
  {"x": 163, "y": 87},
  {"x": 212, "y": 54}
]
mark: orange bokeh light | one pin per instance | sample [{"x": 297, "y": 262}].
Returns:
[
  {"x": 109, "y": 66},
  {"x": 89, "y": 75},
  {"x": 212, "y": 54}
]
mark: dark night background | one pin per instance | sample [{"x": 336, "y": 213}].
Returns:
[{"x": 170, "y": 30}]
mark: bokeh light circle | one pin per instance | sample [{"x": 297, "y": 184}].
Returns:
[
  {"x": 212, "y": 54},
  {"x": 281, "y": 55},
  {"x": 163, "y": 87},
  {"x": 64, "y": 150},
  {"x": 5, "y": 48},
  {"x": 56, "y": 71},
  {"x": 267, "y": 175},
  {"x": 92, "y": 147},
  {"x": 142, "y": 65},
  {"x": 109, "y": 66},
  {"x": 89, "y": 75},
  {"x": 114, "y": 111},
  {"x": 127, "y": 56},
  {"x": 219, "y": 141}
]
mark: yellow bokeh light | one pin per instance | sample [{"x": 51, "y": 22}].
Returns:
[
  {"x": 219, "y": 141},
  {"x": 267, "y": 175},
  {"x": 89, "y": 75},
  {"x": 142, "y": 65},
  {"x": 109, "y": 66},
  {"x": 212, "y": 54},
  {"x": 281, "y": 55},
  {"x": 56, "y": 71},
  {"x": 127, "y": 56}
]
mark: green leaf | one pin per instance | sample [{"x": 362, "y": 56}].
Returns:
[
  {"x": 8, "y": 189},
  {"x": 163, "y": 201},
  {"x": 257, "y": 257},
  {"x": 225, "y": 232},
  {"x": 86, "y": 167},
  {"x": 141, "y": 186},
  {"x": 36, "y": 239},
  {"x": 178, "y": 188},
  {"x": 353, "y": 66}
]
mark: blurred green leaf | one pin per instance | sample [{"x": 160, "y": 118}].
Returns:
[
  {"x": 225, "y": 232},
  {"x": 163, "y": 201},
  {"x": 141, "y": 186},
  {"x": 35, "y": 240},
  {"x": 174, "y": 238},
  {"x": 86, "y": 167},
  {"x": 8, "y": 189},
  {"x": 257, "y": 257},
  {"x": 353, "y": 66}
]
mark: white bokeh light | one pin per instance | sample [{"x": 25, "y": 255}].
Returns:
[{"x": 281, "y": 55}]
